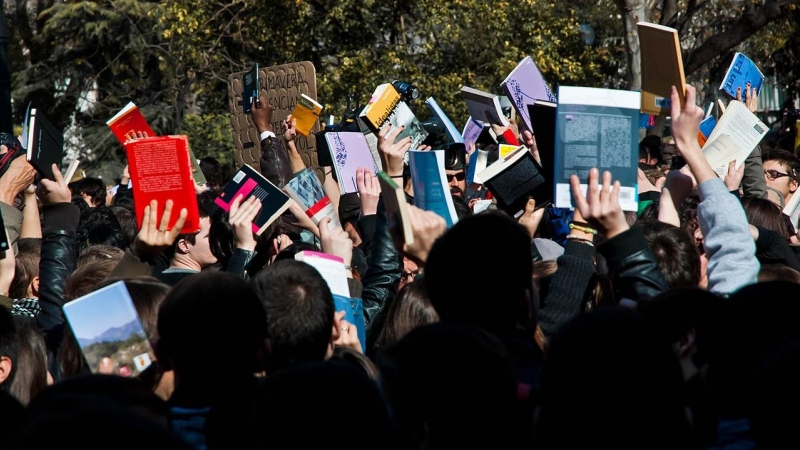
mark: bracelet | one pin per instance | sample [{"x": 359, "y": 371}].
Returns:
[
  {"x": 586, "y": 230},
  {"x": 579, "y": 239},
  {"x": 583, "y": 224}
]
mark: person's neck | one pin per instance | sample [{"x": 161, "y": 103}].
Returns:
[{"x": 182, "y": 261}]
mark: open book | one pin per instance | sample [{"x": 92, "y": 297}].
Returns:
[
  {"x": 744, "y": 131},
  {"x": 109, "y": 331}
]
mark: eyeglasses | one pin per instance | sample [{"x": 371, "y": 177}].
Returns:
[
  {"x": 773, "y": 175},
  {"x": 409, "y": 275},
  {"x": 458, "y": 176}
]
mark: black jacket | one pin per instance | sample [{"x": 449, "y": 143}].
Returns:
[
  {"x": 633, "y": 268},
  {"x": 275, "y": 162}
]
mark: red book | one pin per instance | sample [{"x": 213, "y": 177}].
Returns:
[
  {"x": 160, "y": 170},
  {"x": 128, "y": 122}
]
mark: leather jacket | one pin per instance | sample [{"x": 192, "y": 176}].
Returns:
[
  {"x": 275, "y": 162},
  {"x": 384, "y": 269},
  {"x": 632, "y": 266},
  {"x": 56, "y": 265}
]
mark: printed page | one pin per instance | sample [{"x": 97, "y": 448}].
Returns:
[{"x": 743, "y": 128}]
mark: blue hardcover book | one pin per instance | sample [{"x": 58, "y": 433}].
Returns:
[
  {"x": 707, "y": 126},
  {"x": 741, "y": 71},
  {"x": 354, "y": 314},
  {"x": 431, "y": 189}
]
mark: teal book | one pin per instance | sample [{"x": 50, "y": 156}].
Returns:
[
  {"x": 597, "y": 128},
  {"x": 431, "y": 190},
  {"x": 742, "y": 71}
]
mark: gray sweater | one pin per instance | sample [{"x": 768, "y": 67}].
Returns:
[{"x": 729, "y": 246}]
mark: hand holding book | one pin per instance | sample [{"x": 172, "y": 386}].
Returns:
[
  {"x": 600, "y": 206},
  {"x": 393, "y": 152},
  {"x": 154, "y": 235},
  {"x": 427, "y": 227},
  {"x": 369, "y": 191},
  {"x": 751, "y": 98},
  {"x": 18, "y": 176},
  {"x": 54, "y": 191},
  {"x": 261, "y": 113},
  {"x": 241, "y": 217},
  {"x": 685, "y": 128},
  {"x": 335, "y": 241}
]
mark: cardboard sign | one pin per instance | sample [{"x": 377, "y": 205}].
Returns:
[{"x": 281, "y": 86}]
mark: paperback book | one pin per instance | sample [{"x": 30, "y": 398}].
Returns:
[
  {"x": 394, "y": 200},
  {"x": 128, "y": 123},
  {"x": 331, "y": 268},
  {"x": 483, "y": 106},
  {"x": 349, "y": 151},
  {"x": 249, "y": 182},
  {"x": 306, "y": 190},
  {"x": 662, "y": 67},
  {"x": 597, "y": 128},
  {"x": 745, "y": 131},
  {"x": 741, "y": 72},
  {"x": 523, "y": 86},
  {"x": 452, "y": 132},
  {"x": 514, "y": 179},
  {"x": 431, "y": 190},
  {"x": 543, "y": 118},
  {"x": 45, "y": 143},
  {"x": 472, "y": 131},
  {"x": 386, "y": 107},
  {"x": 306, "y": 112},
  {"x": 252, "y": 88},
  {"x": 109, "y": 332}
]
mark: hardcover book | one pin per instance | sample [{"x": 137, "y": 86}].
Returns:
[
  {"x": 252, "y": 88},
  {"x": 109, "y": 331},
  {"x": 249, "y": 182},
  {"x": 128, "y": 122},
  {"x": 741, "y": 71},
  {"x": 160, "y": 170},
  {"x": 597, "y": 128},
  {"x": 431, "y": 190},
  {"x": 524, "y": 85},
  {"x": 662, "y": 67},
  {"x": 483, "y": 106},
  {"x": 543, "y": 119},
  {"x": 306, "y": 112},
  {"x": 385, "y": 106},
  {"x": 515, "y": 178},
  {"x": 452, "y": 132},
  {"x": 394, "y": 199},
  {"x": 307, "y": 191},
  {"x": 45, "y": 144},
  {"x": 349, "y": 151}
]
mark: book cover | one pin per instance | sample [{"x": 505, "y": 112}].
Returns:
[
  {"x": 506, "y": 150},
  {"x": 662, "y": 67},
  {"x": 431, "y": 190},
  {"x": 472, "y": 131},
  {"x": 106, "y": 325},
  {"x": 483, "y": 106},
  {"x": 394, "y": 199},
  {"x": 380, "y": 106},
  {"x": 306, "y": 111},
  {"x": 307, "y": 191},
  {"x": 597, "y": 128},
  {"x": 524, "y": 85},
  {"x": 128, "y": 122},
  {"x": 354, "y": 314},
  {"x": 706, "y": 128},
  {"x": 252, "y": 88},
  {"x": 452, "y": 132},
  {"x": 331, "y": 268},
  {"x": 160, "y": 170},
  {"x": 515, "y": 178},
  {"x": 741, "y": 71},
  {"x": 543, "y": 119},
  {"x": 744, "y": 130},
  {"x": 478, "y": 161},
  {"x": 349, "y": 151},
  {"x": 720, "y": 152},
  {"x": 249, "y": 182},
  {"x": 45, "y": 144},
  {"x": 372, "y": 141}
]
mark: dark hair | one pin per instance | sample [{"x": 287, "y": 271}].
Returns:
[
  {"x": 410, "y": 309},
  {"x": 8, "y": 345},
  {"x": 349, "y": 209},
  {"x": 650, "y": 147},
  {"x": 217, "y": 174},
  {"x": 27, "y": 268},
  {"x": 96, "y": 253},
  {"x": 127, "y": 222},
  {"x": 508, "y": 264},
  {"x": 675, "y": 252},
  {"x": 356, "y": 359},
  {"x": 30, "y": 376},
  {"x": 461, "y": 207},
  {"x": 94, "y": 188},
  {"x": 766, "y": 214},
  {"x": 300, "y": 311},
  {"x": 785, "y": 158},
  {"x": 206, "y": 208},
  {"x": 778, "y": 272},
  {"x": 99, "y": 226},
  {"x": 29, "y": 245},
  {"x": 688, "y": 215}
]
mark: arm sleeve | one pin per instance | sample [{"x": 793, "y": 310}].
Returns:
[
  {"x": 274, "y": 162},
  {"x": 772, "y": 248},
  {"x": 753, "y": 183},
  {"x": 729, "y": 246},
  {"x": 567, "y": 287},
  {"x": 634, "y": 270}
]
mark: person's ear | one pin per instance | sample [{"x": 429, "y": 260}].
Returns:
[
  {"x": 6, "y": 366},
  {"x": 337, "y": 326},
  {"x": 792, "y": 185},
  {"x": 183, "y": 246},
  {"x": 34, "y": 287},
  {"x": 686, "y": 345}
]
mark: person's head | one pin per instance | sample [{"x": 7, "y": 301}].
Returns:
[
  {"x": 623, "y": 382},
  {"x": 778, "y": 272},
  {"x": 781, "y": 170},
  {"x": 90, "y": 190},
  {"x": 26, "y": 276},
  {"x": 193, "y": 250},
  {"x": 217, "y": 174},
  {"x": 8, "y": 349},
  {"x": 650, "y": 154},
  {"x": 689, "y": 221},
  {"x": 349, "y": 212},
  {"x": 409, "y": 274},
  {"x": 210, "y": 315},
  {"x": 300, "y": 314},
  {"x": 99, "y": 226},
  {"x": 675, "y": 252},
  {"x": 96, "y": 253},
  {"x": 410, "y": 309},
  {"x": 506, "y": 262},
  {"x": 127, "y": 222},
  {"x": 766, "y": 214},
  {"x": 457, "y": 179},
  {"x": 451, "y": 386},
  {"x": 30, "y": 375}
]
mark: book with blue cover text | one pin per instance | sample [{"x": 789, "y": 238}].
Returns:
[{"x": 741, "y": 71}]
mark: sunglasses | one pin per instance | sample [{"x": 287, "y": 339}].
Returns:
[
  {"x": 460, "y": 176},
  {"x": 773, "y": 175}
]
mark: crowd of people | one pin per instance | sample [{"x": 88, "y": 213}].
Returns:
[{"x": 668, "y": 328}]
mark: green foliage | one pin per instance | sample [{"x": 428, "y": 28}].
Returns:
[{"x": 210, "y": 135}]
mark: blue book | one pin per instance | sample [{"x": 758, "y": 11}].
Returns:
[
  {"x": 431, "y": 190},
  {"x": 354, "y": 314},
  {"x": 452, "y": 132},
  {"x": 707, "y": 126},
  {"x": 741, "y": 71}
]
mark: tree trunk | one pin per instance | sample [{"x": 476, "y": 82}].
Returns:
[{"x": 633, "y": 11}]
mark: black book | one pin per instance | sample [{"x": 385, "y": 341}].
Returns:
[
  {"x": 249, "y": 182},
  {"x": 251, "y": 87},
  {"x": 515, "y": 178},
  {"x": 543, "y": 121},
  {"x": 45, "y": 144}
]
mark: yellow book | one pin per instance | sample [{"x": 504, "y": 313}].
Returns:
[
  {"x": 380, "y": 106},
  {"x": 306, "y": 112},
  {"x": 506, "y": 150}
]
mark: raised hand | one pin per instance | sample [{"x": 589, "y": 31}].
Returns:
[
  {"x": 600, "y": 207},
  {"x": 54, "y": 191},
  {"x": 261, "y": 113},
  {"x": 685, "y": 127},
  {"x": 241, "y": 217},
  {"x": 427, "y": 227},
  {"x": 154, "y": 236},
  {"x": 348, "y": 333},
  {"x": 733, "y": 179},
  {"x": 18, "y": 176},
  {"x": 531, "y": 218},
  {"x": 369, "y": 191},
  {"x": 751, "y": 98},
  {"x": 289, "y": 129},
  {"x": 530, "y": 141},
  {"x": 335, "y": 241},
  {"x": 393, "y": 152}
]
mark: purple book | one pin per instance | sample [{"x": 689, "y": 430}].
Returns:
[
  {"x": 524, "y": 85},
  {"x": 349, "y": 151}
]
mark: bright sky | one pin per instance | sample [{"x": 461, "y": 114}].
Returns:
[{"x": 91, "y": 315}]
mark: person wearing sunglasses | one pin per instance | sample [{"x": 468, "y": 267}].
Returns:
[
  {"x": 455, "y": 169},
  {"x": 780, "y": 170}
]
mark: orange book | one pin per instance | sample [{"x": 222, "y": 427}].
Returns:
[
  {"x": 160, "y": 171},
  {"x": 380, "y": 106},
  {"x": 128, "y": 122},
  {"x": 306, "y": 112}
]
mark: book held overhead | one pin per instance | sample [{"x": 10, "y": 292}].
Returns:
[{"x": 662, "y": 67}]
